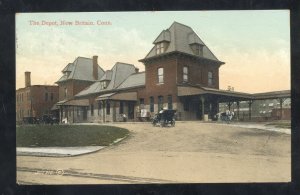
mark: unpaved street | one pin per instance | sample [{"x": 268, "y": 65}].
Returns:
[{"x": 191, "y": 152}]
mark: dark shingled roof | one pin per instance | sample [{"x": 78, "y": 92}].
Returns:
[
  {"x": 180, "y": 37},
  {"x": 134, "y": 80},
  {"x": 118, "y": 74},
  {"x": 80, "y": 69}
]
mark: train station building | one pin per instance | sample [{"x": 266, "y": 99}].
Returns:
[{"x": 181, "y": 73}]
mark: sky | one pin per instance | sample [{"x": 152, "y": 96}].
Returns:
[{"x": 255, "y": 45}]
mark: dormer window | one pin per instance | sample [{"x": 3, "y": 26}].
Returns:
[
  {"x": 160, "y": 48},
  {"x": 197, "y": 49},
  {"x": 103, "y": 84},
  {"x": 67, "y": 73}
]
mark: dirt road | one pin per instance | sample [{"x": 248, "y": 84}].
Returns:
[{"x": 191, "y": 152}]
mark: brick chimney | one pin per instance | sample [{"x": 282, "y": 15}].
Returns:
[
  {"x": 95, "y": 67},
  {"x": 27, "y": 79}
]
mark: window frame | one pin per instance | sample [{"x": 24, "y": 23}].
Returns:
[
  {"x": 185, "y": 74},
  {"x": 210, "y": 78},
  {"x": 159, "y": 48},
  {"x": 160, "y": 75}
]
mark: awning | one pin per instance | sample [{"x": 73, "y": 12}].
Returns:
[
  {"x": 55, "y": 107},
  {"x": 220, "y": 94},
  {"x": 61, "y": 102},
  {"x": 126, "y": 96},
  {"x": 81, "y": 102},
  {"x": 105, "y": 96}
]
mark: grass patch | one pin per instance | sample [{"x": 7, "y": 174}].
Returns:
[
  {"x": 285, "y": 124},
  {"x": 67, "y": 135}
]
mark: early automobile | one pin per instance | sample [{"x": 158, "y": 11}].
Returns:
[{"x": 164, "y": 118}]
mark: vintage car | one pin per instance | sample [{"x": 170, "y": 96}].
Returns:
[{"x": 164, "y": 118}]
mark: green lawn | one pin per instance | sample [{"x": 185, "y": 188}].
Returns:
[{"x": 67, "y": 135}]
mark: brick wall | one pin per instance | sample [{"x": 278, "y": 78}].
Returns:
[
  {"x": 73, "y": 87},
  {"x": 35, "y": 100}
]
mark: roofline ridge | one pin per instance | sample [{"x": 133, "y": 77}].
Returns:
[
  {"x": 124, "y": 63},
  {"x": 175, "y": 22}
]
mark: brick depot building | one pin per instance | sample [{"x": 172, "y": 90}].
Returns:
[
  {"x": 180, "y": 73},
  {"x": 35, "y": 100}
]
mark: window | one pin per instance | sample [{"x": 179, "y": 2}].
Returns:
[
  {"x": 160, "y": 48},
  {"x": 92, "y": 109},
  {"x": 107, "y": 107},
  {"x": 142, "y": 101},
  {"x": 77, "y": 109},
  {"x": 160, "y": 74},
  {"x": 160, "y": 102},
  {"x": 103, "y": 84},
  {"x": 151, "y": 104},
  {"x": 66, "y": 92},
  {"x": 121, "y": 111},
  {"x": 46, "y": 96},
  {"x": 185, "y": 74},
  {"x": 51, "y": 97},
  {"x": 210, "y": 78},
  {"x": 170, "y": 102}
]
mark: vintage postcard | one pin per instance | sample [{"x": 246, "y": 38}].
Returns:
[{"x": 153, "y": 97}]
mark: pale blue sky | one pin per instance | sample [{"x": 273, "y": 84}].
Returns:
[{"x": 255, "y": 45}]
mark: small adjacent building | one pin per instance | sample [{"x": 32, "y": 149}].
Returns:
[{"x": 35, "y": 100}]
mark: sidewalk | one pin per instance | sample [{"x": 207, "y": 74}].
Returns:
[
  {"x": 262, "y": 126},
  {"x": 57, "y": 151}
]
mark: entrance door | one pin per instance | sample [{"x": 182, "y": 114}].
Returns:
[
  {"x": 198, "y": 109},
  {"x": 84, "y": 115},
  {"x": 130, "y": 110}
]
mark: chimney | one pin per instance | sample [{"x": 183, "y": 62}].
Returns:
[
  {"x": 137, "y": 70},
  {"x": 27, "y": 79},
  {"x": 95, "y": 67}
]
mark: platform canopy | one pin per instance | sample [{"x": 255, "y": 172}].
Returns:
[
  {"x": 211, "y": 93},
  {"x": 125, "y": 96},
  {"x": 74, "y": 102}
]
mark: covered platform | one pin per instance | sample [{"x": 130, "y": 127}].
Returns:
[{"x": 208, "y": 99}]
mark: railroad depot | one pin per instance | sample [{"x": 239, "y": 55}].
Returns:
[{"x": 181, "y": 73}]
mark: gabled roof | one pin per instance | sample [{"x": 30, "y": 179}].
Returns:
[
  {"x": 181, "y": 36},
  {"x": 80, "y": 69},
  {"x": 119, "y": 73}
]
